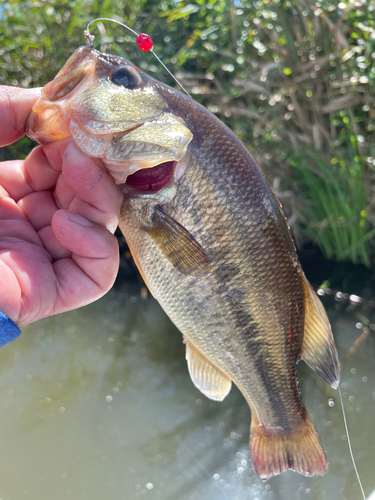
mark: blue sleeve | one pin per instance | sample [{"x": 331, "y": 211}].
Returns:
[{"x": 8, "y": 330}]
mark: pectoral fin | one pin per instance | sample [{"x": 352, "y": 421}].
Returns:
[
  {"x": 178, "y": 245},
  {"x": 209, "y": 379},
  {"x": 318, "y": 348}
]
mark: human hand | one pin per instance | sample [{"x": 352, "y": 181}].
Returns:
[{"x": 58, "y": 212}]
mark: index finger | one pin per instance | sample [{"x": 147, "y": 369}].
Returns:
[{"x": 15, "y": 107}]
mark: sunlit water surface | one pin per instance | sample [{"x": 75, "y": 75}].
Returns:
[{"x": 97, "y": 404}]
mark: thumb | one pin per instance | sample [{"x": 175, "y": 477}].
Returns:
[{"x": 92, "y": 268}]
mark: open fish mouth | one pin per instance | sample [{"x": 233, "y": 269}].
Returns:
[
  {"x": 113, "y": 112},
  {"x": 152, "y": 179}
]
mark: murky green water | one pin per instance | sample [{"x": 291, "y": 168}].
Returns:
[{"x": 97, "y": 404}]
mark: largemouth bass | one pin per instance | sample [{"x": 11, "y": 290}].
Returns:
[{"x": 211, "y": 242}]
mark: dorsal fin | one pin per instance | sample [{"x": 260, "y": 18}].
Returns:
[
  {"x": 318, "y": 347},
  {"x": 207, "y": 377},
  {"x": 178, "y": 245}
]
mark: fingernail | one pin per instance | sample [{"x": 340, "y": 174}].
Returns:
[{"x": 78, "y": 219}]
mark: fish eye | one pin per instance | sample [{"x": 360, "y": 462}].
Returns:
[{"x": 125, "y": 78}]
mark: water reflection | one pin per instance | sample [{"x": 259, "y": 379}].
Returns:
[{"x": 98, "y": 404}]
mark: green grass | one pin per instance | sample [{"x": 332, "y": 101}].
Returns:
[{"x": 333, "y": 205}]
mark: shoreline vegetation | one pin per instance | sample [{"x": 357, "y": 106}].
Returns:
[{"x": 293, "y": 79}]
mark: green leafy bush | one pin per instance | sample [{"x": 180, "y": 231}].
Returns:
[{"x": 294, "y": 79}]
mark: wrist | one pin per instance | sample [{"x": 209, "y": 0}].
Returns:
[{"x": 8, "y": 330}]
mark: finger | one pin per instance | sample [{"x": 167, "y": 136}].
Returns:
[
  {"x": 18, "y": 229},
  {"x": 53, "y": 247},
  {"x": 41, "y": 171},
  {"x": 21, "y": 178},
  {"x": 98, "y": 198},
  {"x": 39, "y": 208},
  {"x": 15, "y": 106},
  {"x": 54, "y": 152},
  {"x": 9, "y": 210},
  {"x": 64, "y": 194},
  {"x": 92, "y": 270}
]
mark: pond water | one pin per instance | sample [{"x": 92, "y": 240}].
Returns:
[{"x": 97, "y": 404}]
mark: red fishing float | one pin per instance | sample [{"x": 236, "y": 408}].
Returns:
[{"x": 144, "y": 42}]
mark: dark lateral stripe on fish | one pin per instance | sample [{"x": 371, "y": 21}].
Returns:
[
  {"x": 250, "y": 332},
  {"x": 255, "y": 347}
]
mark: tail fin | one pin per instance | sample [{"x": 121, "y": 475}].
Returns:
[{"x": 274, "y": 451}]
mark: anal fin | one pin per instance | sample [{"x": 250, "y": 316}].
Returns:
[
  {"x": 207, "y": 377},
  {"x": 318, "y": 347},
  {"x": 274, "y": 450}
]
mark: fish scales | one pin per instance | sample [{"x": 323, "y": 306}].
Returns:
[
  {"x": 241, "y": 312},
  {"x": 209, "y": 237}
]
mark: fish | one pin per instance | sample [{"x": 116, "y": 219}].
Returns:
[{"x": 211, "y": 242}]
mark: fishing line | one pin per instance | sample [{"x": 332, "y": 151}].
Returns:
[
  {"x": 144, "y": 42},
  {"x": 349, "y": 444}
]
